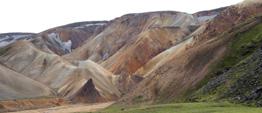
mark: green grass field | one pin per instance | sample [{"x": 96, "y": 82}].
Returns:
[{"x": 184, "y": 108}]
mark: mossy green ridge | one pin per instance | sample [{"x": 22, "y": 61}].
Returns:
[
  {"x": 238, "y": 76},
  {"x": 3, "y": 50}
]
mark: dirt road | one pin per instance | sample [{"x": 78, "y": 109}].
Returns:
[{"x": 70, "y": 108}]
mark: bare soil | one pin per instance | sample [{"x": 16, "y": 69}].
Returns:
[{"x": 70, "y": 108}]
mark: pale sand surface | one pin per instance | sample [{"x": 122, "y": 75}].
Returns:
[{"x": 70, "y": 108}]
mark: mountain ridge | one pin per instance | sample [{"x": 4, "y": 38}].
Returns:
[{"x": 139, "y": 58}]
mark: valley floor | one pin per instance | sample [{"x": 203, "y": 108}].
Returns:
[
  {"x": 185, "y": 108},
  {"x": 70, "y": 108}
]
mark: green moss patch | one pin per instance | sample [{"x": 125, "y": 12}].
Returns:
[{"x": 237, "y": 76}]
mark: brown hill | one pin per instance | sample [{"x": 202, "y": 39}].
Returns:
[
  {"x": 51, "y": 70},
  {"x": 176, "y": 71},
  {"x": 150, "y": 57},
  {"x": 16, "y": 86},
  {"x": 130, "y": 41},
  {"x": 124, "y": 31},
  {"x": 122, "y": 46}
]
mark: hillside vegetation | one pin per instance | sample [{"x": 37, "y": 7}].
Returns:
[{"x": 237, "y": 77}]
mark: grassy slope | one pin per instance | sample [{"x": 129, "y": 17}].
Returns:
[
  {"x": 244, "y": 45},
  {"x": 184, "y": 108},
  {"x": 236, "y": 70}
]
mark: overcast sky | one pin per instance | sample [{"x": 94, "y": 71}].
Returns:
[{"x": 39, "y": 15}]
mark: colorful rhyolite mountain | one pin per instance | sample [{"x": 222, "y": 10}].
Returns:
[{"x": 138, "y": 58}]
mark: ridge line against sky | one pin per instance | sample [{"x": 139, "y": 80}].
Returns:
[{"x": 39, "y": 15}]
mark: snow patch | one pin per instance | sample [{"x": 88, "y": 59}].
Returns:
[
  {"x": 88, "y": 25},
  {"x": 9, "y": 39},
  {"x": 5, "y": 43},
  {"x": 55, "y": 40},
  {"x": 206, "y": 18},
  {"x": 68, "y": 45}
]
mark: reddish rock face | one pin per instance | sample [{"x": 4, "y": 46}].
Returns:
[
  {"x": 148, "y": 44},
  {"x": 122, "y": 32},
  {"x": 230, "y": 17},
  {"x": 176, "y": 74},
  {"x": 128, "y": 42}
]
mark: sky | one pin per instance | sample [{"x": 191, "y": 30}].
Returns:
[{"x": 39, "y": 15}]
